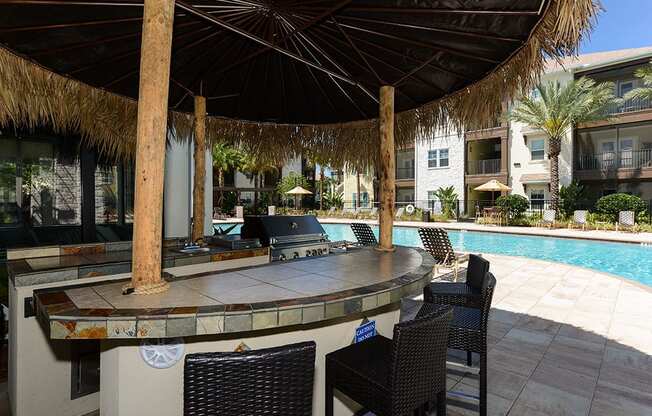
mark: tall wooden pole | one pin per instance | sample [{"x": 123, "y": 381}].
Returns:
[
  {"x": 158, "y": 16},
  {"x": 387, "y": 167},
  {"x": 200, "y": 169}
]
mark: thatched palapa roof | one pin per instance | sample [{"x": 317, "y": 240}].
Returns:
[{"x": 282, "y": 77}]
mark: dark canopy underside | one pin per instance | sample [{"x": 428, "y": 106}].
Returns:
[{"x": 283, "y": 61}]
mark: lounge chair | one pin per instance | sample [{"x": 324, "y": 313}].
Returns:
[
  {"x": 364, "y": 234},
  {"x": 548, "y": 219},
  {"x": 331, "y": 211},
  {"x": 374, "y": 212},
  {"x": 436, "y": 242},
  {"x": 627, "y": 220},
  {"x": 399, "y": 213},
  {"x": 579, "y": 219}
]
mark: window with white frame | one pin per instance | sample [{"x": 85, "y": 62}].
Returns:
[
  {"x": 438, "y": 158},
  {"x": 537, "y": 149},
  {"x": 537, "y": 197}
]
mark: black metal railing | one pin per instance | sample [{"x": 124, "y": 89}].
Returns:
[
  {"x": 404, "y": 173},
  {"x": 626, "y": 159},
  {"x": 628, "y": 106},
  {"x": 481, "y": 167}
]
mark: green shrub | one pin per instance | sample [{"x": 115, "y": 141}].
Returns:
[
  {"x": 514, "y": 206},
  {"x": 611, "y": 205},
  {"x": 569, "y": 198}
]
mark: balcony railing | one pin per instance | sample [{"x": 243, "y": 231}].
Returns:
[
  {"x": 627, "y": 159},
  {"x": 482, "y": 167},
  {"x": 628, "y": 106},
  {"x": 404, "y": 173}
]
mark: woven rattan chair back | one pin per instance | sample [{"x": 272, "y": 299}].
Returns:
[
  {"x": 273, "y": 381},
  {"x": 579, "y": 216},
  {"x": 626, "y": 218},
  {"x": 549, "y": 216},
  {"x": 487, "y": 296},
  {"x": 364, "y": 234},
  {"x": 418, "y": 364},
  {"x": 436, "y": 242}
]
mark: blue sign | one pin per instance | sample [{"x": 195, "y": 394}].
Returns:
[{"x": 365, "y": 331}]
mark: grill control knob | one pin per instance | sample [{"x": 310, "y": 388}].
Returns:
[
  {"x": 295, "y": 255},
  {"x": 281, "y": 257},
  {"x": 308, "y": 253}
]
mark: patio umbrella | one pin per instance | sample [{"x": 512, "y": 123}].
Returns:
[
  {"x": 493, "y": 186},
  {"x": 296, "y": 191},
  {"x": 275, "y": 76}
]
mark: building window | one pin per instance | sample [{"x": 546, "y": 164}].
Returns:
[
  {"x": 537, "y": 149},
  {"x": 364, "y": 199},
  {"x": 438, "y": 158},
  {"x": 624, "y": 87},
  {"x": 537, "y": 198}
]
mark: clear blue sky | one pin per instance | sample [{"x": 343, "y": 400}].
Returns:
[{"x": 623, "y": 24}]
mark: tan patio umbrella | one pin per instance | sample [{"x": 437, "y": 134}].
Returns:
[
  {"x": 296, "y": 191},
  {"x": 493, "y": 186}
]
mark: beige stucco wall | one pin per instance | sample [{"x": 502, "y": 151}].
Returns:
[
  {"x": 130, "y": 387},
  {"x": 350, "y": 186}
]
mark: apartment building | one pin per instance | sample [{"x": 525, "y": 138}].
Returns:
[{"x": 613, "y": 155}]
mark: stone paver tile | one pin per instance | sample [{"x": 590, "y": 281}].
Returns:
[
  {"x": 522, "y": 364},
  {"x": 549, "y": 313},
  {"x": 597, "y": 323},
  {"x": 576, "y": 355},
  {"x": 565, "y": 380},
  {"x": 631, "y": 336},
  {"x": 608, "y": 401},
  {"x": 498, "y": 329},
  {"x": 502, "y": 383},
  {"x": 501, "y": 315},
  {"x": 593, "y": 304},
  {"x": 540, "y": 399},
  {"x": 582, "y": 334},
  {"x": 626, "y": 370},
  {"x": 532, "y": 341},
  {"x": 496, "y": 405},
  {"x": 535, "y": 323}
]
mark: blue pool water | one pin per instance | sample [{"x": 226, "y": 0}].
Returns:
[{"x": 632, "y": 261}]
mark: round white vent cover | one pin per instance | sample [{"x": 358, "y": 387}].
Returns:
[{"x": 162, "y": 353}]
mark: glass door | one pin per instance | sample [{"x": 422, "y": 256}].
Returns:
[{"x": 10, "y": 184}]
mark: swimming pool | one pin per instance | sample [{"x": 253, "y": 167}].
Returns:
[{"x": 632, "y": 261}]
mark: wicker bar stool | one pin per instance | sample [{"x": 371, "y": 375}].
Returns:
[
  {"x": 399, "y": 376},
  {"x": 468, "y": 329},
  {"x": 364, "y": 234},
  {"x": 274, "y": 381},
  {"x": 437, "y": 243},
  {"x": 467, "y": 293}
]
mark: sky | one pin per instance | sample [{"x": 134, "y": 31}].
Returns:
[{"x": 624, "y": 24}]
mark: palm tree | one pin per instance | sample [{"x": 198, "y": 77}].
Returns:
[
  {"x": 256, "y": 169},
  {"x": 642, "y": 93},
  {"x": 225, "y": 158},
  {"x": 556, "y": 109}
]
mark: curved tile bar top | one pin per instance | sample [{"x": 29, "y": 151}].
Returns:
[{"x": 248, "y": 299}]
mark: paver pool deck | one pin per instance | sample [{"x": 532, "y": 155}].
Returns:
[{"x": 564, "y": 340}]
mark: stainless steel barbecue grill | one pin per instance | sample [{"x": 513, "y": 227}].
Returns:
[{"x": 288, "y": 236}]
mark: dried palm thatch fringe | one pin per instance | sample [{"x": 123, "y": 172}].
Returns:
[{"x": 31, "y": 96}]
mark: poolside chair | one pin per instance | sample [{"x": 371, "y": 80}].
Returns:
[
  {"x": 398, "y": 376},
  {"x": 331, "y": 211},
  {"x": 364, "y": 234},
  {"x": 579, "y": 219},
  {"x": 271, "y": 381},
  {"x": 374, "y": 212},
  {"x": 399, "y": 213},
  {"x": 468, "y": 329},
  {"x": 627, "y": 220},
  {"x": 437, "y": 243},
  {"x": 548, "y": 218}
]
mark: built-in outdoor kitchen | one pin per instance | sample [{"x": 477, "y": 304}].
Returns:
[{"x": 74, "y": 320}]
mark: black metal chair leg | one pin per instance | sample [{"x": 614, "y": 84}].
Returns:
[
  {"x": 329, "y": 398},
  {"x": 441, "y": 403},
  {"x": 469, "y": 358},
  {"x": 483, "y": 383}
]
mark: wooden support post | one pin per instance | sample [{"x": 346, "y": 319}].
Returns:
[
  {"x": 387, "y": 167},
  {"x": 200, "y": 170},
  {"x": 158, "y": 16}
]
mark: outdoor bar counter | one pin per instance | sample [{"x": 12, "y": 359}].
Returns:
[{"x": 322, "y": 299}]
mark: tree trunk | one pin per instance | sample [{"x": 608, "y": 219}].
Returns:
[
  {"x": 220, "y": 183},
  {"x": 321, "y": 187},
  {"x": 198, "y": 192},
  {"x": 553, "y": 153},
  {"x": 357, "y": 191},
  {"x": 151, "y": 131},
  {"x": 387, "y": 162},
  {"x": 255, "y": 193}
]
